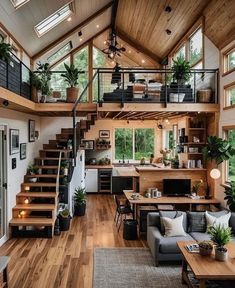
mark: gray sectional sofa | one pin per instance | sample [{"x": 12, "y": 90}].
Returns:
[{"x": 194, "y": 223}]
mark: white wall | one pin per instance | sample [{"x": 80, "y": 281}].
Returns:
[
  {"x": 211, "y": 54},
  {"x": 18, "y": 120}
]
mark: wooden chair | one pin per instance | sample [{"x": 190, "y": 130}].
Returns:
[{"x": 121, "y": 209}]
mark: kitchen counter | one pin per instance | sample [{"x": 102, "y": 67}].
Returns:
[
  {"x": 149, "y": 169},
  {"x": 99, "y": 166},
  {"x": 125, "y": 172}
]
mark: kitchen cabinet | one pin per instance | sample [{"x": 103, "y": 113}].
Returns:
[
  {"x": 91, "y": 180},
  {"x": 105, "y": 180}
]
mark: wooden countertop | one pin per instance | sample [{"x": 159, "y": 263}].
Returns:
[
  {"x": 154, "y": 169},
  {"x": 168, "y": 200},
  {"x": 99, "y": 166},
  {"x": 125, "y": 172}
]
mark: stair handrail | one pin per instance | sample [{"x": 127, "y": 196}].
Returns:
[
  {"x": 74, "y": 116},
  {"x": 58, "y": 174}
]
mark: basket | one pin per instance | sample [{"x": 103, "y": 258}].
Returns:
[{"x": 204, "y": 96}]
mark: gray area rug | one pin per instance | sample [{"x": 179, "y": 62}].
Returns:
[{"x": 134, "y": 268}]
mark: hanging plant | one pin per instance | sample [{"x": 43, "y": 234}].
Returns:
[{"x": 218, "y": 149}]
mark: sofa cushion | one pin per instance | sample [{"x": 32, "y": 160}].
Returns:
[
  {"x": 232, "y": 222},
  {"x": 172, "y": 215},
  {"x": 198, "y": 236},
  {"x": 173, "y": 227},
  {"x": 168, "y": 245},
  {"x": 222, "y": 220},
  {"x": 196, "y": 222}
]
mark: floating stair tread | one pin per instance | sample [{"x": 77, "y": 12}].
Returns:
[
  {"x": 56, "y": 150},
  {"x": 39, "y": 184},
  {"x": 37, "y": 194},
  {"x": 44, "y": 176},
  {"x": 35, "y": 207},
  {"x": 52, "y": 158},
  {"x": 32, "y": 222},
  {"x": 46, "y": 166}
]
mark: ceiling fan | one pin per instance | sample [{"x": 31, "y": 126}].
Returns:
[{"x": 113, "y": 48}]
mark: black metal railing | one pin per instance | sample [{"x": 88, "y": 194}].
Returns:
[
  {"x": 16, "y": 77},
  {"x": 156, "y": 85}
]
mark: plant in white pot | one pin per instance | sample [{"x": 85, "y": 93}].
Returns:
[
  {"x": 221, "y": 236},
  {"x": 65, "y": 167},
  {"x": 32, "y": 170},
  {"x": 71, "y": 77}
]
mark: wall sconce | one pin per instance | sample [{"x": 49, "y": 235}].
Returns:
[{"x": 215, "y": 173}]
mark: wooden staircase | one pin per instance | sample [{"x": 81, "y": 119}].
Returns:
[{"x": 36, "y": 206}]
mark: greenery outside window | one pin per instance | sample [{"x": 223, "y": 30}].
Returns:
[
  {"x": 168, "y": 139},
  {"x": 230, "y": 164},
  {"x": 229, "y": 95},
  {"x": 181, "y": 53},
  {"x": 134, "y": 144},
  {"x": 195, "y": 47},
  {"x": 229, "y": 61},
  {"x": 59, "y": 53}
]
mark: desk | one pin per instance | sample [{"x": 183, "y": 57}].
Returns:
[{"x": 167, "y": 200}]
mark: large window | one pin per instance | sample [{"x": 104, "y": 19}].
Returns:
[
  {"x": 59, "y": 53},
  {"x": 195, "y": 47},
  {"x": 230, "y": 167},
  {"x": 229, "y": 95},
  {"x": 80, "y": 60},
  {"x": 180, "y": 53},
  {"x": 229, "y": 60},
  {"x": 133, "y": 144}
]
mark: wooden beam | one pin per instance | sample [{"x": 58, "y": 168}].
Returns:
[
  {"x": 137, "y": 46},
  {"x": 72, "y": 31},
  {"x": 114, "y": 14},
  {"x": 90, "y": 71}
]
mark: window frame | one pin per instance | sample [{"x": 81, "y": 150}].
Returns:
[
  {"x": 16, "y": 6},
  {"x": 225, "y": 165},
  {"x": 70, "y": 44},
  {"x": 225, "y": 61},
  {"x": 225, "y": 91},
  {"x": 133, "y": 142}
]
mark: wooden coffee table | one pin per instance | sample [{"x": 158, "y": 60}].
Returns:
[{"x": 206, "y": 267}]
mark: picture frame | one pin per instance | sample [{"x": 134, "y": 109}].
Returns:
[
  {"x": 104, "y": 133},
  {"x": 14, "y": 141},
  {"x": 31, "y": 130},
  {"x": 88, "y": 144},
  {"x": 23, "y": 151}
]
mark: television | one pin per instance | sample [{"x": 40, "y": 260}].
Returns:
[{"x": 176, "y": 187}]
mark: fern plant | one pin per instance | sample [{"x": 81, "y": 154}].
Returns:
[
  {"x": 220, "y": 235},
  {"x": 71, "y": 75},
  {"x": 181, "y": 70},
  {"x": 79, "y": 196},
  {"x": 230, "y": 196},
  {"x": 5, "y": 51},
  {"x": 218, "y": 149}
]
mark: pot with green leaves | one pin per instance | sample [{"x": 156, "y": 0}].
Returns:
[
  {"x": 230, "y": 195},
  {"x": 71, "y": 77},
  {"x": 32, "y": 170},
  {"x": 44, "y": 76},
  {"x": 205, "y": 248},
  {"x": 221, "y": 236},
  {"x": 64, "y": 167},
  {"x": 64, "y": 219},
  {"x": 181, "y": 70},
  {"x": 79, "y": 199},
  {"x": 5, "y": 52}
]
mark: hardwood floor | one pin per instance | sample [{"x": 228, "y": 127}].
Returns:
[{"x": 66, "y": 260}]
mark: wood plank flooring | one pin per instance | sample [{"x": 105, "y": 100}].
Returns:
[{"x": 66, "y": 261}]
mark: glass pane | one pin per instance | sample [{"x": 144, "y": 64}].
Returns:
[
  {"x": 231, "y": 60},
  {"x": 81, "y": 62},
  {"x": 195, "y": 47},
  {"x": 123, "y": 143},
  {"x": 144, "y": 143},
  {"x": 230, "y": 96},
  {"x": 57, "y": 82},
  {"x": 180, "y": 53},
  {"x": 169, "y": 141},
  {"x": 231, "y": 170}
]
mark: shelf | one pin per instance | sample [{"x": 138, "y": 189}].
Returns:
[
  {"x": 195, "y": 153},
  {"x": 194, "y": 129},
  {"x": 193, "y": 143}
]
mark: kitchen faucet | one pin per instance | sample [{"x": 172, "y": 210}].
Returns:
[{"x": 123, "y": 158}]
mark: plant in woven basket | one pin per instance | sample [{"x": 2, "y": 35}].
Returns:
[
  {"x": 205, "y": 247},
  {"x": 230, "y": 195}
]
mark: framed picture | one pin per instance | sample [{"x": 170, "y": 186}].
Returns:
[
  {"x": 88, "y": 144},
  {"x": 23, "y": 151},
  {"x": 14, "y": 141},
  {"x": 31, "y": 130},
  {"x": 104, "y": 134}
]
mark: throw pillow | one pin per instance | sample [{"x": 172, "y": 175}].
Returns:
[
  {"x": 197, "y": 222},
  {"x": 172, "y": 215},
  {"x": 215, "y": 221},
  {"x": 173, "y": 227}
]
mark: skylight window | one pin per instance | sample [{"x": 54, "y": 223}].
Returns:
[
  {"x": 19, "y": 3},
  {"x": 66, "y": 48},
  {"x": 54, "y": 19}
]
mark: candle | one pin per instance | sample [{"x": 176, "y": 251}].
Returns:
[
  {"x": 26, "y": 201},
  {"x": 22, "y": 213},
  {"x": 26, "y": 188}
]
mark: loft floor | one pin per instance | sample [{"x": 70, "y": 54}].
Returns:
[{"x": 66, "y": 260}]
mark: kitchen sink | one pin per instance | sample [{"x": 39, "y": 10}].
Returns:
[{"x": 133, "y": 164}]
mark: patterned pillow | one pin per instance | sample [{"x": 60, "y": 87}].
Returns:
[{"x": 196, "y": 222}]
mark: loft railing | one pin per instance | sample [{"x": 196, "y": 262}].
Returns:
[
  {"x": 157, "y": 86},
  {"x": 16, "y": 77}
]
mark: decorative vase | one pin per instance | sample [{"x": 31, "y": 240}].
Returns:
[
  {"x": 72, "y": 94},
  {"x": 64, "y": 223},
  {"x": 221, "y": 255},
  {"x": 33, "y": 179},
  {"x": 80, "y": 210}
]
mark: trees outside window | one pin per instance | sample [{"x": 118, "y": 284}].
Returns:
[
  {"x": 180, "y": 53},
  {"x": 231, "y": 161},
  {"x": 229, "y": 95},
  {"x": 195, "y": 47},
  {"x": 134, "y": 143}
]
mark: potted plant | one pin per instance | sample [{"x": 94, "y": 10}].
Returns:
[
  {"x": 218, "y": 149},
  {"x": 221, "y": 236},
  {"x": 181, "y": 70},
  {"x": 175, "y": 162},
  {"x": 196, "y": 187},
  {"x": 32, "y": 170},
  {"x": 64, "y": 219},
  {"x": 71, "y": 77},
  {"x": 205, "y": 248},
  {"x": 79, "y": 199},
  {"x": 230, "y": 196},
  {"x": 44, "y": 75},
  {"x": 5, "y": 52},
  {"x": 65, "y": 167},
  {"x": 166, "y": 153},
  {"x": 36, "y": 87}
]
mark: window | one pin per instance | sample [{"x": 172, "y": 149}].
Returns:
[
  {"x": 2, "y": 38},
  {"x": 80, "y": 60},
  {"x": 168, "y": 139},
  {"x": 54, "y": 19},
  {"x": 180, "y": 53},
  {"x": 229, "y": 93},
  {"x": 62, "y": 51},
  {"x": 229, "y": 60},
  {"x": 230, "y": 165},
  {"x": 134, "y": 144},
  {"x": 195, "y": 47},
  {"x": 19, "y": 3}
]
